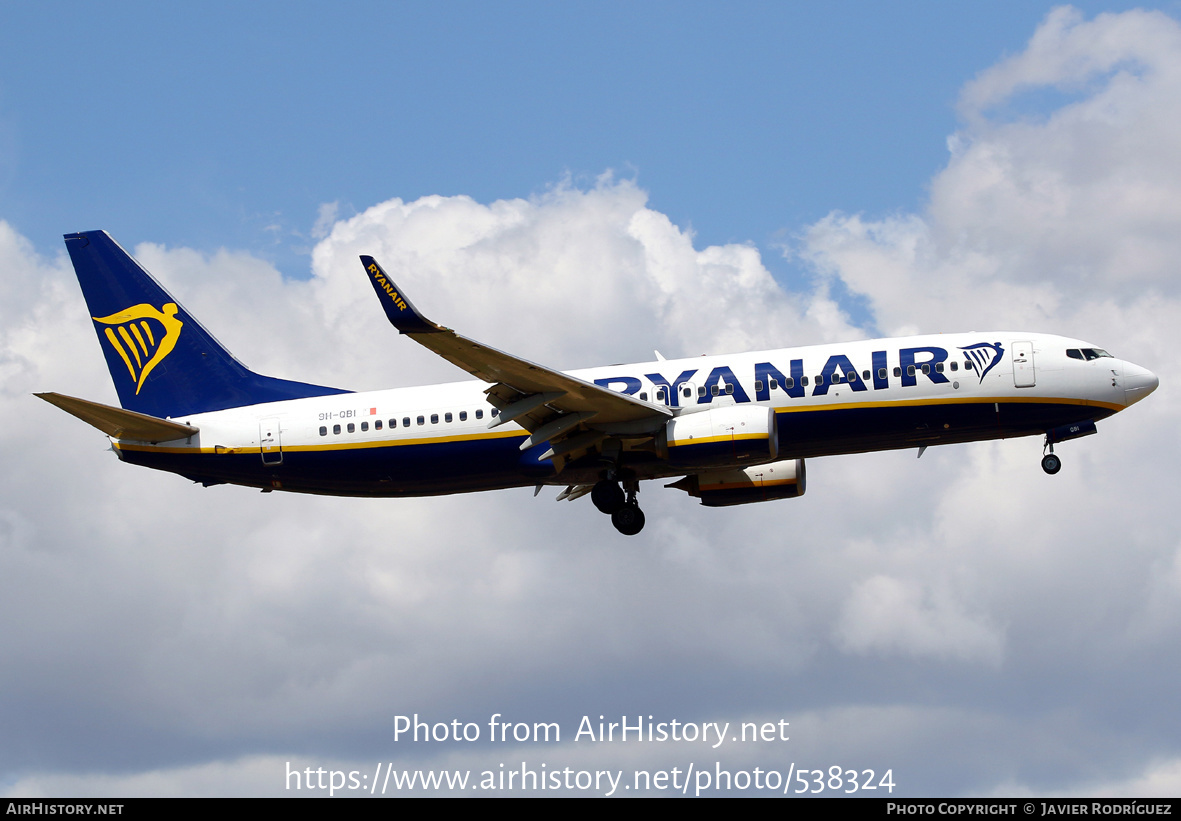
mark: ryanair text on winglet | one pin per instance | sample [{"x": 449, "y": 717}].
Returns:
[{"x": 387, "y": 287}]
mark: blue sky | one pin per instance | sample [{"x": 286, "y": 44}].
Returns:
[
  {"x": 581, "y": 183},
  {"x": 229, "y": 125}
]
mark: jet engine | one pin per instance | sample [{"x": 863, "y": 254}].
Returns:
[
  {"x": 720, "y": 438},
  {"x": 784, "y": 479}
]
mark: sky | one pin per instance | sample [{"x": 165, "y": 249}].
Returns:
[{"x": 582, "y": 184}]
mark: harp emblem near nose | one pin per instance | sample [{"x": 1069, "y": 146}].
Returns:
[
  {"x": 143, "y": 336},
  {"x": 986, "y": 355}
]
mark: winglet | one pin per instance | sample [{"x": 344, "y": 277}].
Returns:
[{"x": 400, "y": 310}]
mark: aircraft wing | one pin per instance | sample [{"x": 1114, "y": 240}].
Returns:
[{"x": 534, "y": 396}]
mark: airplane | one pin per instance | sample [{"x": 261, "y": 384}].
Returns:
[{"x": 729, "y": 430}]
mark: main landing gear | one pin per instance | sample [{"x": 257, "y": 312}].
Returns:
[{"x": 621, "y": 505}]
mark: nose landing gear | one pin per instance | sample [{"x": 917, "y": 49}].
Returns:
[
  {"x": 621, "y": 505},
  {"x": 1051, "y": 464}
]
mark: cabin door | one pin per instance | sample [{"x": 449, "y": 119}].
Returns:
[{"x": 1023, "y": 375}]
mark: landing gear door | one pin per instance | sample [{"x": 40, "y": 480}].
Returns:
[
  {"x": 270, "y": 441},
  {"x": 1023, "y": 374}
]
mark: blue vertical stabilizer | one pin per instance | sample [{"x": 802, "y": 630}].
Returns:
[{"x": 163, "y": 362}]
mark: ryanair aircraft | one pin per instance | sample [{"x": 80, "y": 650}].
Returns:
[{"x": 729, "y": 429}]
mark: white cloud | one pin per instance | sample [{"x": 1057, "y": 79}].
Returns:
[
  {"x": 325, "y": 218},
  {"x": 164, "y": 630},
  {"x": 887, "y": 615}
]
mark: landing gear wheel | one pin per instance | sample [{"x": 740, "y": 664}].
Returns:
[
  {"x": 629, "y": 519},
  {"x": 1051, "y": 464},
  {"x": 608, "y": 497}
]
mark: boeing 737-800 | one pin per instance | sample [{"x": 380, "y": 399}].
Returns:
[{"x": 729, "y": 429}]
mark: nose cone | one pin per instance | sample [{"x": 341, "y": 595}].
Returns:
[{"x": 1138, "y": 383}]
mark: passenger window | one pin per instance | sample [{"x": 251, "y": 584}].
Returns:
[
  {"x": 773, "y": 382},
  {"x": 898, "y": 371},
  {"x": 421, "y": 420},
  {"x": 434, "y": 418},
  {"x": 406, "y": 421},
  {"x": 715, "y": 390},
  {"x": 729, "y": 388},
  {"x": 644, "y": 396},
  {"x": 495, "y": 412},
  {"x": 364, "y": 427},
  {"x": 954, "y": 366},
  {"x": 820, "y": 379},
  {"x": 463, "y": 416},
  {"x": 701, "y": 390},
  {"x": 688, "y": 393},
  {"x": 910, "y": 370},
  {"x": 926, "y": 368},
  {"x": 352, "y": 428},
  {"x": 882, "y": 373},
  {"x": 836, "y": 378},
  {"x": 938, "y": 367},
  {"x": 967, "y": 364},
  {"x": 447, "y": 417},
  {"x": 803, "y": 381},
  {"x": 323, "y": 430},
  {"x": 660, "y": 395},
  {"x": 336, "y": 430},
  {"x": 758, "y": 385},
  {"x": 479, "y": 413},
  {"x": 377, "y": 424},
  {"x": 866, "y": 375}
]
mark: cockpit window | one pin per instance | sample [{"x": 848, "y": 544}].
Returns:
[{"x": 1087, "y": 353}]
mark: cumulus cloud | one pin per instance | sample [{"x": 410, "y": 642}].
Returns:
[
  {"x": 1039, "y": 219},
  {"x": 890, "y": 615},
  {"x": 571, "y": 278},
  {"x": 962, "y": 617},
  {"x": 325, "y": 219}
]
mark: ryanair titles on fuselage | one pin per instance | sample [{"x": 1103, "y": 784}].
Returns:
[{"x": 838, "y": 370}]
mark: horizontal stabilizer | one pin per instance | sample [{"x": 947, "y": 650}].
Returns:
[{"x": 119, "y": 423}]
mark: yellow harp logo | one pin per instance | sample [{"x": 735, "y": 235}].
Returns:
[{"x": 142, "y": 346}]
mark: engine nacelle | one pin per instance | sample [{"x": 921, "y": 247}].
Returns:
[
  {"x": 785, "y": 479},
  {"x": 720, "y": 437}
]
